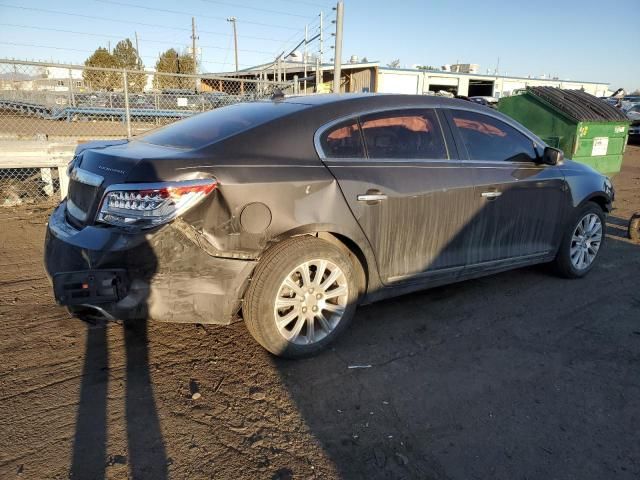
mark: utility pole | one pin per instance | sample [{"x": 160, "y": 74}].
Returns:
[
  {"x": 337, "y": 54},
  {"x": 235, "y": 38},
  {"x": 306, "y": 39},
  {"x": 319, "y": 75},
  {"x": 138, "y": 50},
  {"x": 321, "y": 40},
  {"x": 195, "y": 54}
]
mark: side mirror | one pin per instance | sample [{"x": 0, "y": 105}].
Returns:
[{"x": 552, "y": 156}]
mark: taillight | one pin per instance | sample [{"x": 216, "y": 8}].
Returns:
[{"x": 146, "y": 205}]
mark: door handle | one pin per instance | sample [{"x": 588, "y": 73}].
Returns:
[
  {"x": 491, "y": 195},
  {"x": 371, "y": 197}
]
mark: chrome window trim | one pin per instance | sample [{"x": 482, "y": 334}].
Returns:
[
  {"x": 356, "y": 118},
  {"x": 86, "y": 177},
  {"x": 439, "y": 108}
]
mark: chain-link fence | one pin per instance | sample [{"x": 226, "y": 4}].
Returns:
[{"x": 44, "y": 104}]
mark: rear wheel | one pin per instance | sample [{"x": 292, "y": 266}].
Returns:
[
  {"x": 582, "y": 242},
  {"x": 302, "y": 295}
]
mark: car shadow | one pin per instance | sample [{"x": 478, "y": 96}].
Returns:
[
  {"x": 459, "y": 382},
  {"x": 618, "y": 227}
]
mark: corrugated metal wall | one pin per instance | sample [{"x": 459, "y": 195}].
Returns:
[{"x": 358, "y": 81}]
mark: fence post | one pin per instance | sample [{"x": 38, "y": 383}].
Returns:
[
  {"x": 69, "y": 94},
  {"x": 296, "y": 86},
  {"x": 127, "y": 115}
]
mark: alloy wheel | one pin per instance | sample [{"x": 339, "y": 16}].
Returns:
[
  {"x": 311, "y": 301},
  {"x": 586, "y": 241}
]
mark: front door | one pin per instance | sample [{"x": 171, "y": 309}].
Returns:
[
  {"x": 407, "y": 191},
  {"x": 521, "y": 203}
]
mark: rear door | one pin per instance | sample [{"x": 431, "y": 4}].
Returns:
[
  {"x": 520, "y": 202},
  {"x": 405, "y": 188}
]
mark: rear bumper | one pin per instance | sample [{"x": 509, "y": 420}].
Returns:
[{"x": 162, "y": 275}]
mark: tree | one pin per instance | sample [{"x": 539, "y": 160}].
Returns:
[
  {"x": 394, "y": 63},
  {"x": 364, "y": 60},
  {"x": 635, "y": 92},
  {"x": 426, "y": 67},
  {"x": 100, "y": 80},
  {"x": 126, "y": 56},
  {"x": 171, "y": 61}
]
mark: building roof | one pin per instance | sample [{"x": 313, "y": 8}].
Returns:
[
  {"x": 295, "y": 66},
  {"x": 299, "y": 66},
  {"x": 482, "y": 75}
]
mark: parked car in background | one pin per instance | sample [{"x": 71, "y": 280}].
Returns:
[
  {"x": 631, "y": 98},
  {"x": 633, "y": 113},
  {"x": 289, "y": 213},
  {"x": 486, "y": 101},
  {"x": 217, "y": 99},
  {"x": 91, "y": 100}
]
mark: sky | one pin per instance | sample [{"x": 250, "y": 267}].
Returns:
[{"x": 572, "y": 39}]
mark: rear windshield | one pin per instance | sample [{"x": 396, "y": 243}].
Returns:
[{"x": 212, "y": 126}]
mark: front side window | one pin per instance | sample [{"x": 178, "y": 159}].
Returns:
[
  {"x": 406, "y": 134},
  {"x": 487, "y": 138},
  {"x": 343, "y": 141}
]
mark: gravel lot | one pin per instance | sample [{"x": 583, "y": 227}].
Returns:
[{"x": 518, "y": 376}]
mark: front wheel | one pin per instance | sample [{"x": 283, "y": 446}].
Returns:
[
  {"x": 582, "y": 242},
  {"x": 302, "y": 295}
]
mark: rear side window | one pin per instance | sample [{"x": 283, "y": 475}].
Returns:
[
  {"x": 487, "y": 138},
  {"x": 212, "y": 126},
  {"x": 343, "y": 141},
  {"x": 404, "y": 134}
]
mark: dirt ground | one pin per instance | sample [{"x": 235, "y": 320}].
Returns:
[{"x": 518, "y": 376}]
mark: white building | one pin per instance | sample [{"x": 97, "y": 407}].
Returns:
[{"x": 395, "y": 80}]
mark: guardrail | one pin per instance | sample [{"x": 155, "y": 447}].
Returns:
[{"x": 32, "y": 172}]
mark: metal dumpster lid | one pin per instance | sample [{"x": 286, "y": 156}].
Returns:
[{"x": 578, "y": 105}]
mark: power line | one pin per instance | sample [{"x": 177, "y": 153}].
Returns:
[
  {"x": 311, "y": 4},
  {"x": 15, "y": 44},
  {"x": 117, "y": 20},
  {"x": 165, "y": 42},
  {"x": 257, "y": 9},
  {"x": 60, "y": 30},
  {"x": 198, "y": 14},
  {"x": 93, "y": 17}
]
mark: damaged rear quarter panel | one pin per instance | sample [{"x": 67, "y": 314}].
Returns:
[{"x": 284, "y": 174}]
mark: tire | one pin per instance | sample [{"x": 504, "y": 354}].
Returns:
[
  {"x": 279, "y": 275},
  {"x": 634, "y": 227},
  {"x": 567, "y": 266}
]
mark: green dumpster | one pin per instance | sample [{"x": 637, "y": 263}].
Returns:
[{"x": 587, "y": 129}]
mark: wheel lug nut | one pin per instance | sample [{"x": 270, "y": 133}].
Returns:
[
  {"x": 319, "y": 296},
  {"x": 314, "y": 308},
  {"x": 304, "y": 309},
  {"x": 311, "y": 290}
]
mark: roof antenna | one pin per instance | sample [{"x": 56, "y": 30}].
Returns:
[{"x": 278, "y": 94}]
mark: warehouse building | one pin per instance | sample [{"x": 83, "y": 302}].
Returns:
[{"x": 371, "y": 77}]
